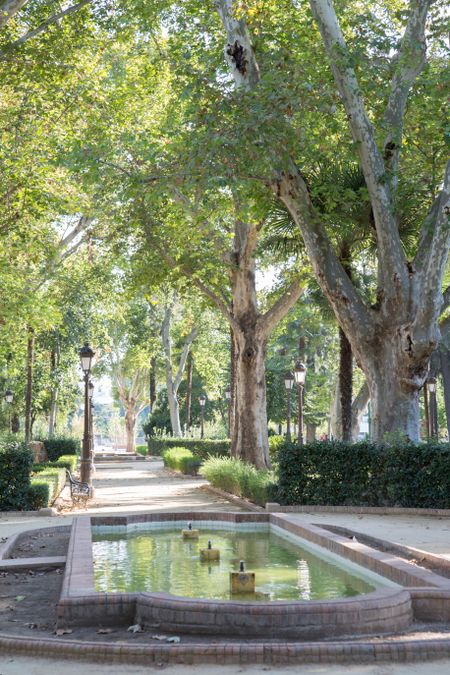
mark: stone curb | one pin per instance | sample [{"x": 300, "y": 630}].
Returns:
[
  {"x": 234, "y": 499},
  {"x": 273, "y": 507},
  {"x": 227, "y": 653},
  {"x": 44, "y": 512}
]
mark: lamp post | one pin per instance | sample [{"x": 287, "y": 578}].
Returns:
[
  {"x": 299, "y": 375},
  {"x": 289, "y": 381},
  {"x": 228, "y": 400},
  {"x": 86, "y": 356},
  {"x": 202, "y": 401},
  {"x": 433, "y": 407},
  {"x": 9, "y": 398},
  {"x": 91, "y": 421}
]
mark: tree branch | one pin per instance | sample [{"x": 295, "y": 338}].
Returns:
[
  {"x": 281, "y": 307},
  {"x": 48, "y": 22},
  {"x": 8, "y": 8},
  {"x": 239, "y": 52},
  {"x": 389, "y": 243},
  {"x": 409, "y": 62},
  {"x": 184, "y": 354}
]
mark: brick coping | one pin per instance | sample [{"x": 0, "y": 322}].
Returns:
[
  {"x": 279, "y": 653},
  {"x": 274, "y": 507}
]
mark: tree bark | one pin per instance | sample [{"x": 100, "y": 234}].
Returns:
[
  {"x": 444, "y": 353},
  {"x": 29, "y": 388},
  {"x": 173, "y": 383},
  {"x": 8, "y": 8},
  {"x": 189, "y": 371},
  {"x": 130, "y": 428},
  {"x": 152, "y": 382},
  {"x": 54, "y": 363},
  {"x": 311, "y": 433},
  {"x": 345, "y": 385}
]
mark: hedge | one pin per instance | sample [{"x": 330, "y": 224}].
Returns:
[
  {"x": 54, "y": 478},
  {"x": 239, "y": 478},
  {"x": 142, "y": 450},
  {"x": 15, "y": 465},
  {"x": 200, "y": 447},
  {"x": 365, "y": 474},
  {"x": 56, "y": 447},
  {"x": 64, "y": 462},
  {"x": 181, "y": 459},
  {"x": 38, "y": 495}
]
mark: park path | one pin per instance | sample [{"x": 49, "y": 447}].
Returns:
[{"x": 146, "y": 486}]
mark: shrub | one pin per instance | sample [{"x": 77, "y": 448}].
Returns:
[
  {"x": 56, "y": 447},
  {"x": 365, "y": 474},
  {"x": 200, "y": 447},
  {"x": 142, "y": 450},
  {"x": 181, "y": 459},
  {"x": 275, "y": 443},
  {"x": 38, "y": 495},
  {"x": 67, "y": 462},
  {"x": 239, "y": 478},
  {"x": 54, "y": 478},
  {"x": 15, "y": 465}
]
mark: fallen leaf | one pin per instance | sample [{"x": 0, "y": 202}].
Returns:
[
  {"x": 174, "y": 639},
  {"x": 19, "y": 598},
  {"x": 159, "y": 637},
  {"x": 63, "y": 631},
  {"x": 135, "y": 628},
  {"x": 105, "y": 631}
]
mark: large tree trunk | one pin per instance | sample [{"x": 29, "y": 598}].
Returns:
[
  {"x": 152, "y": 382},
  {"x": 250, "y": 441},
  {"x": 190, "y": 368},
  {"x": 54, "y": 363},
  {"x": 358, "y": 406},
  {"x": 130, "y": 428},
  {"x": 311, "y": 433},
  {"x": 444, "y": 353},
  {"x": 173, "y": 383},
  {"x": 29, "y": 388},
  {"x": 345, "y": 385}
]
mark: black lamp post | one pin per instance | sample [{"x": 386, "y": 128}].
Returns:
[
  {"x": 433, "y": 407},
  {"x": 289, "y": 381},
  {"x": 202, "y": 401},
  {"x": 228, "y": 399},
  {"x": 86, "y": 356},
  {"x": 299, "y": 375},
  {"x": 91, "y": 421},
  {"x": 9, "y": 398}
]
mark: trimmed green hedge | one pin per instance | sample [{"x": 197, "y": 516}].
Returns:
[
  {"x": 142, "y": 450},
  {"x": 54, "y": 478},
  {"x": 365, "y": 474},
  {"x": 181, "y": 459},
  {"x": 200, "y": 447},
  {"x": 239, "y": 478},
  {"x": 38, "y": 496},
  {"x": 56, "y": 447},
  {"x": 64, "y": 462},
  {"x": 15, "y": 465}
]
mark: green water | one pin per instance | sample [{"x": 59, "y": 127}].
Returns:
[{"x": 162, "y": 561}]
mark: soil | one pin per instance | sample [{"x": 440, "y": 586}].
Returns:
[{"x": 42, "y": 543}]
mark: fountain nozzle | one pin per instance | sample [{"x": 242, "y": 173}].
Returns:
[
  {"x": 242, "y": 566},
  {"x": 209, "y": 544}
]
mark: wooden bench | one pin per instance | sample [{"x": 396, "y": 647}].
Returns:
[{"x": 78, "y": 489}]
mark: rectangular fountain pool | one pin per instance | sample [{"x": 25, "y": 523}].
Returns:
[{"x": 156, "y": 558}]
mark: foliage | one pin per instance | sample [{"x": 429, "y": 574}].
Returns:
[
  {"x": 142, "y": 450},
  {"x": 54, "y": 478},
  {"x": 365, "y": 474},
  {"x": 15, "y": 465},
  {"x": 64, "y": 462},
  {"x": 275, "y": 443},
  {"x": 241, "y": 479},
  {"x": 57, "y": 447},
  {"x": 201, "y": 448},
  {"x": 181, "y": 459},
  {"x": 38, "y": 495}
]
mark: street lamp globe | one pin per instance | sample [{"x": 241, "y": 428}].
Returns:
[
  {"x": 202, "y": 400},
  {"x": 9, "y": 396},
  {"x": 300, "y": 372},
  {"x": 431, "y": 384},
  {"x": 289, "y": 380},
  {"x": 86, "y": 354}
]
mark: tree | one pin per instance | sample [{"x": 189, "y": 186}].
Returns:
[{"x": 393, "y": 339}]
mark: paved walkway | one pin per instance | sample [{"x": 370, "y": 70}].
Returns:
[{"x": 133, "y": 487}]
